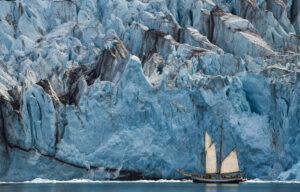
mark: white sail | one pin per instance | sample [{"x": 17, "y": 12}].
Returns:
[
  {"x": 211, "y": 160},
  {"x": 207, "y": 141},
  {"x": 230, "y": 163}
]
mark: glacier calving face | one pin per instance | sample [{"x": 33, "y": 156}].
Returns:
[{"x": 124, "y": 89}]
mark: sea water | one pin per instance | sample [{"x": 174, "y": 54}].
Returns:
[{"x": 146, "y": 186}]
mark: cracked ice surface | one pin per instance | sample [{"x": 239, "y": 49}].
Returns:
[{"x": 119, "y": 89}]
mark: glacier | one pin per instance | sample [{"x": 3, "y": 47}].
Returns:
[{"x": 125, "y": 89}]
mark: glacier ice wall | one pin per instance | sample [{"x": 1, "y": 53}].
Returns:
[{"x": 124, "y": 89}]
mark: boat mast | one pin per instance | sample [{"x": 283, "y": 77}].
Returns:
[
  {"x": 220, "y": 156},
  {"x": 204, "y": 162}
]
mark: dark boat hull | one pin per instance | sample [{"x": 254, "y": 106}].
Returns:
[
  {"x": 218, "y": 180},
  {"x": 205, "y": 179}
]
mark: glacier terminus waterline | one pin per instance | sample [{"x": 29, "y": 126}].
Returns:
[{"x": 125, "y": 89}]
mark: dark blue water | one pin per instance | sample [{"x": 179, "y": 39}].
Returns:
[{"x": 147, "y": 187}]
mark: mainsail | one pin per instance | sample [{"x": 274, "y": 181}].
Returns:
[
  {"x": 230, "y": 163},
  {"x": 210, "y": 156},
  {"x": 207, "y": 141}
]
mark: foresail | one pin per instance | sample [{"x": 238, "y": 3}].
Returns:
[
  {"x": 230, "y": 164},
  {"x": 211, "y": 160},
  {"x": 207, "y": 141}
]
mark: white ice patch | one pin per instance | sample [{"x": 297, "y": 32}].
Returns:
[
  {"x": 239, "y": 24},
  {"x": 39, "y": 180},
  {"x": 274, "y": 181}
]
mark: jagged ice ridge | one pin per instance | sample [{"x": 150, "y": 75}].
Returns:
[{"x": 124, "y": 89}]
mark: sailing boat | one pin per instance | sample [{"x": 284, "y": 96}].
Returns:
[{"x": 228, "y": 168}]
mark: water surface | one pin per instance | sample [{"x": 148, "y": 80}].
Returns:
[{"x": 148, "y": 187}]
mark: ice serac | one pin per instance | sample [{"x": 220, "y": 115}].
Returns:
[
  {"x": 271, "y": 21},
  {"x": 126, "y": 89},
  {"x": 236, "y": 35}
]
